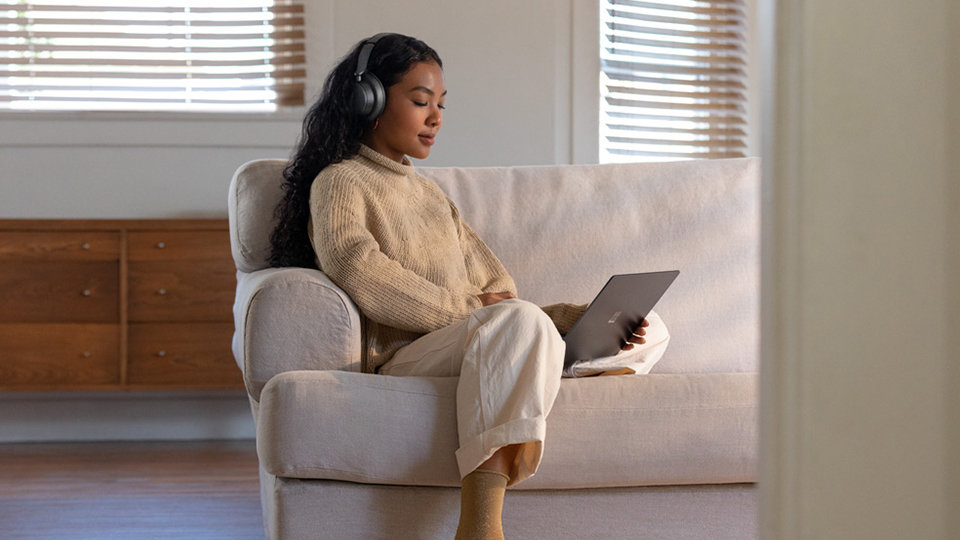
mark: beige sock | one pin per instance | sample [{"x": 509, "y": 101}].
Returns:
[{"x": 481, "y": 503}]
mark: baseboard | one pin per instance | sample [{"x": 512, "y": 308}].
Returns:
[{"x": 130, "y": 416}]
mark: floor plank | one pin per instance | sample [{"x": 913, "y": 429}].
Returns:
[{"x": 111, "y": 490}]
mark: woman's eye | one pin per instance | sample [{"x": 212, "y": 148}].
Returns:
[
  {"x": 420, "y": 104},
  {"x": 442, "y": 107}
]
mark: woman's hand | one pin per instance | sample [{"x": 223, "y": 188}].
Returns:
[
  {"x": 490, "y": 298},
  {"x": 637, "y": 337}
]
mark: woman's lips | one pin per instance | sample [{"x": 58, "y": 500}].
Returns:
[{"x": 427, "y": 139}]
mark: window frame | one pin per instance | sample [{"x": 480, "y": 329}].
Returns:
[
  {"x": 280, "y": 113},
  {"x": 585, "y": 84}
]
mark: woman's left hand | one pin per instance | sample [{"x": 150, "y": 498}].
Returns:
[
  {"x": 488, "y": 299},
  {"x": 637, "y": 337}
]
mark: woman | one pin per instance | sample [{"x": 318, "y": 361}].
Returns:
[{"x": 435, "y": 301}]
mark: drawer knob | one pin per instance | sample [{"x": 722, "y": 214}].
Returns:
[
  {"x": 161, "y": 245},
  {"x": 86, "y": 292},
  {"x": 161, "y": 354},
  {"x": 161, "y": 292},
  {"x": 86, "y": 245},
  {"x": 87, "y": 354}
]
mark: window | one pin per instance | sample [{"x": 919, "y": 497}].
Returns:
[
  {"x": 151, "y": 55},
  {"x": 673, "y": 80}
]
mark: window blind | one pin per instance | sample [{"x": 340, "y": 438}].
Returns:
[
  {"x": 673, "y": 80},
  {"x": 151, "y": 55}
]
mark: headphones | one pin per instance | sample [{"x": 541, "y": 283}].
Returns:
[{"x": 369, "y": 97}]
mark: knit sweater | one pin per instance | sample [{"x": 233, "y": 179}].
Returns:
[{"x": 396, "y": 244}]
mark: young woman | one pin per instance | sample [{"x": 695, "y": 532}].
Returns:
[{"x": 435, "y": 301}]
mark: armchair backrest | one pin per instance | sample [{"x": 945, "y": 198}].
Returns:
[
  {"x": 255, "y": 191},
  {"x": 561, "y": 231}
]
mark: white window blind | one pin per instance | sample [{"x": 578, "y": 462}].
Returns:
[
  {"x": 673, "y": 80},
  {"x": 151, "y": 55}
]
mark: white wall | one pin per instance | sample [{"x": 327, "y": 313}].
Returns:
[
  {"x": 506, "y": 68},
  {"x": 859, "y": 423}
]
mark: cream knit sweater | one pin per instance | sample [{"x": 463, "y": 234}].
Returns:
[{"x": 396, "y": 244}]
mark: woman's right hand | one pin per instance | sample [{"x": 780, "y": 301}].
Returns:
[
  {"x": 637, "y": 337},
  {"x": 488, "y": 299}
]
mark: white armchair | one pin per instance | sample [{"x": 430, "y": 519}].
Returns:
[{"x": 672, "y": 454}]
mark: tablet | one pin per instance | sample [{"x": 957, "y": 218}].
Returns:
[{"x": 614, "y": 314}]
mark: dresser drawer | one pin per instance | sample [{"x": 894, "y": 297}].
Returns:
[
  {"x": 179, "y": 246},
  {"x": 167, "y": 291},
  {"x": 21, "y": 246},
  {"x": 116, "y": 304},
  {"x": 59, "y": 354},
  {"x": 82, "y": 292},
  {"x": 196, "y": 354}
]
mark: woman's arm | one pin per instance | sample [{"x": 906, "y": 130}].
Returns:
[
  {"x": 564, "y": 315},
  {"x": 487, "y": 272},
  {"x": 384, "y": 290},
  {"x": 484, "y": 269}
]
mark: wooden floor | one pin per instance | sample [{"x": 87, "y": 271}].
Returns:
[{"x": 92, "y": 491}]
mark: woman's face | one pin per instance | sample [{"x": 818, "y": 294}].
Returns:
[{"x": 413, "y": 114}]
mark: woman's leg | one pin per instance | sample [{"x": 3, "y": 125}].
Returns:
[
  {"x": 509, "y": 357},
  {"x": 508, "y": 382},
  {"x": 509, "y": 379},
  {"x": 502, "y": 460}
]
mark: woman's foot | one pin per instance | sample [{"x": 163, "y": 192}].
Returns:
[{"x": 481, "y": 504}]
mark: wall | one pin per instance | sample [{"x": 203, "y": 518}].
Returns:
[{"x": 858, "y": 416}]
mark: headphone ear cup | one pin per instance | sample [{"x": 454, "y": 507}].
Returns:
[{"x": 369, "y": 97}]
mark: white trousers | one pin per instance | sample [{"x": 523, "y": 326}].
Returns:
[{"x": 509, "y": 357}]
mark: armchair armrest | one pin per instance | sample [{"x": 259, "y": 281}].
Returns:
[{"x": 290, "y": 319}]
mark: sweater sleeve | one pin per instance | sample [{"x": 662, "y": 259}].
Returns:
[
  {"x": 564, "y": 316},
  {"x": 483, "y": 267},
  {"x": 382, "y": 288}
]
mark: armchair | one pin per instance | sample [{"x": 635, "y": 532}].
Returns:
[{"x": 671, "y": 454}]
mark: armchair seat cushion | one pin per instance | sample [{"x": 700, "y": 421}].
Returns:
[{"x": 662, "y": 429}]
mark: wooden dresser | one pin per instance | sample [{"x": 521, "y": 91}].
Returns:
[{"x": 116, "y": 305}]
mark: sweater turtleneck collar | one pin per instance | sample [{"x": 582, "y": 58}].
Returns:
[{"x": 405, "y": 168}]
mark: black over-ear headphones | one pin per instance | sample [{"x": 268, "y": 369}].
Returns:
[{"x": 369, "y": 96}]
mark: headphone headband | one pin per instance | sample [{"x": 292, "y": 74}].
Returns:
[{"x": 365, "y": 53}]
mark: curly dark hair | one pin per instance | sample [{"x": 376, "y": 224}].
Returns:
[{"x": 332, "y": 133}]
